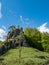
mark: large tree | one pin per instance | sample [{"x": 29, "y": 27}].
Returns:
[{"x": 33, "y": 38}]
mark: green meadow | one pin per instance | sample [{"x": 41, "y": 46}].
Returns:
[{"x": 29, "y": 56}]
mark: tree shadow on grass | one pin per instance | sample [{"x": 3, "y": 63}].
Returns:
[{"x": 1, "y": 61}]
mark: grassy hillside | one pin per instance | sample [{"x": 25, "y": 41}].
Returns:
[{"x": 30, "y": 56}]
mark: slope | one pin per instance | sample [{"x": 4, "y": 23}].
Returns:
[{"x": 29, "y": 56}]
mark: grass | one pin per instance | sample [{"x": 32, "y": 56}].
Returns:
[
  {"x": 1, "y": 42},
  {"x": 29, "y": 56}
]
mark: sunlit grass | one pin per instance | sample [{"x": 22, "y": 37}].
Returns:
[{"x": 29, "y": 56}]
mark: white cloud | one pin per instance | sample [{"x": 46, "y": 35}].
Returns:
[
  {"x": 3, "y": 27},
  {"x": 0, "y": 4},
  {"x": 0, "y": 15},
  {"x": 2, "y": 34},
  {"x": 43, "y": 28},
  {"x": 0, "y": 10},
  {"x": 24, "y": 21},
  {"x": 21, "y": 18}
]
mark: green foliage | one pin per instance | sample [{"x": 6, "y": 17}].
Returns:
[
  {"x": 45, "y": 41},
  {"x": 36, "y": 39},
  {"x": 1, "y": 42},
  {"x": 33, "y": 38}
]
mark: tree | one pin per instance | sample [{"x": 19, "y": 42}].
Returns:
[
  {"x": 33, "y": 38},
  {"x": 45, "y": 41}
]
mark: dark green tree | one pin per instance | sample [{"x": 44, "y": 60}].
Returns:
[{"x": 33, "y": 38}]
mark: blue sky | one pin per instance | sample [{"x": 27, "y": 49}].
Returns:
[
  {"x": 30, "y": 13},
  {"x": 37, "y": 11}
]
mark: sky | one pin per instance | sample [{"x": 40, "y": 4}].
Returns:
[{"x": 26, "y": 13}]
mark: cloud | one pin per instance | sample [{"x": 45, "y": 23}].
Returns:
[
  {"x": 3, "y": 27},
  {"x": 21, "y": 18},
  {"x": 0, "y": 10},
  {"x": 43, "y": 28},
  {"x": 24, "y": 21},
  {"x": 2, "y": 34}
]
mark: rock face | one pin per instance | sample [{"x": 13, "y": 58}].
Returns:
[
  {"x": 25, "y": 44},
  {"x": 14, "y": 32},
  {"x": 12, "y": 44},
  {"x": 3, "y": 49},
  {"x": 15, "y": 37}
]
